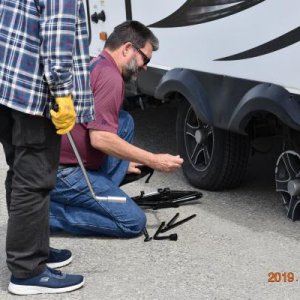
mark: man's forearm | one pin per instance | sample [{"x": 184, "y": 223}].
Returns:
[{"x": 111, "y": 144}]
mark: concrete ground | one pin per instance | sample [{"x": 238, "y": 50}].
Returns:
[{"x": 237, "y": 238}]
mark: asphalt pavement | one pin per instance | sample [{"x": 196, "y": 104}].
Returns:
[{"x": 228, "y": 251}]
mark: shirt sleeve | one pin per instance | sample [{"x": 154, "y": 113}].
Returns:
[{"x": 57, "y": 33}]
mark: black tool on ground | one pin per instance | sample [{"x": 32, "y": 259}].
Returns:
[
  {"x": 172, "y": 220},
  {"x": 146, "y": 234},
  {"x": 171, "y": 237},
  {"x": 172, "y": 225},
  {"x": 145, "y": 170},
  {"x": 159, "y": 229},
  {"x": 165, "y": 198}
]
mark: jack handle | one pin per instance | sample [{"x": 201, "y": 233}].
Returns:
[{"x": 97, "y": 198}]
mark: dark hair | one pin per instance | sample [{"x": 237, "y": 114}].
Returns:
[{"x": 131, "y": 31}]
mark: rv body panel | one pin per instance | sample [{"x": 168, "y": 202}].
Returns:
[
  {"x": 264, "y": 35},
  {"x": 233, "y": 63},
  {"x": 227, "y": 102},
  {"x": 114, "y": 13},
  {"x": 255, "y": 40}
]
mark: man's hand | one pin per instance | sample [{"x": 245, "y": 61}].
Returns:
[
  {"x": 133, "y": 168},
  {"x": 166, "y": 162},
  {"x": 64, "y": 118}
]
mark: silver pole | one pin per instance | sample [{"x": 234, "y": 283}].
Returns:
[{"x": 97, "y": 198}]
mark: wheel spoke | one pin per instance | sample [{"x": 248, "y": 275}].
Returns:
[
  {"x": 196, "y": 152},
  {"x": 206, "y": 155},
  {"x": 282, "y": 186},
  {"x": 190, "y": 130},
  {"x": 289, "y": 167}
]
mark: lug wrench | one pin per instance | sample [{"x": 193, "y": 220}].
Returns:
[{"x": 97, "y": 198}]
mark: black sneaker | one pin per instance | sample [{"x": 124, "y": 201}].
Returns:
[
  {"x": 58, "y": 258},
  {"x": 49, "y": 282}
]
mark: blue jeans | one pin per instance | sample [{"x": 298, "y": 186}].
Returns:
[{"x": 74, "y": 210}]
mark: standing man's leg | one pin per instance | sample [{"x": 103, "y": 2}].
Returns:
[
  {"x": 6, "y": 140},
  {"x": 31, "y": 147}
]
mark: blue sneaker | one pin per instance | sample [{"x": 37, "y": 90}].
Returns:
[
  {"x": 49, "y": 282},
  {"x": 58, "y": 258}
]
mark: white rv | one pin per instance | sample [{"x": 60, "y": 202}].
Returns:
[{"x": 232, "y": 65}]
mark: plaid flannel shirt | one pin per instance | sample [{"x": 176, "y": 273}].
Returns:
[{"x": 44, "y": 54}]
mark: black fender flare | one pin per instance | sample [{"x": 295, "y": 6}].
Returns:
[
  {"x": 269, "y": 98},
  {"x": 186, "y": 83}
]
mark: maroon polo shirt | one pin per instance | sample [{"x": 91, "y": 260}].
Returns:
[{"x": 108, "y": 89}]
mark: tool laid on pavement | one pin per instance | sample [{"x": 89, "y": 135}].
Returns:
[
  {"x": 163, "y": 228},
  {"x": 165, "y": 198},
  {"x": 171, "y": 237},
  {"x": 146, "y": 234},
  {"x": 172, "y": 225},
  {"x": 97, "y": 198}
]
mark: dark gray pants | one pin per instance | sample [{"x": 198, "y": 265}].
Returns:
[{"x": 31, "y": 147}]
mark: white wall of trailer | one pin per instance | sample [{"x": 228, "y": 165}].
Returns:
[
  {"x": 199, "y": 46},
  {"x": 114, "y": 14}
]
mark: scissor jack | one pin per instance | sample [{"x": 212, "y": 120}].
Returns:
[{"x": 165, "y": 198}]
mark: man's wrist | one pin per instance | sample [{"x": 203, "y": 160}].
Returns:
[{"x": 151, "y": 159}]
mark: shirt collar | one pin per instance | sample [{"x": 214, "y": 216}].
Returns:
[{"x": 107, "y": 56}]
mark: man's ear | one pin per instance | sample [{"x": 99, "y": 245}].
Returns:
[{"x": 126, "y": 48}]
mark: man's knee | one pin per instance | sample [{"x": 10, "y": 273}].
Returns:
[{"x": 135, "y": 225}]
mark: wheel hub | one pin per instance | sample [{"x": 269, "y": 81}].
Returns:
[{"x": 198, "y": 136}]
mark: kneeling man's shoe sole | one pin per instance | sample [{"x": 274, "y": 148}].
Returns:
[{"x": 49, "y": 282}]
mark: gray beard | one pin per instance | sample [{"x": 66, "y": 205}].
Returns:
[{"x": 130, "y": 71}]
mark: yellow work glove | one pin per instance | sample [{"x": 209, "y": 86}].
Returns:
[{"x": 65, "y": 116}]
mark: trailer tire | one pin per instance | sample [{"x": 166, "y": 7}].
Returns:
[{"x": 214, "y": 159}]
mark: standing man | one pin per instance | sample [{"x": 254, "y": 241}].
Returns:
[
  {"x": 105, "y": 145},
  {"x": 43, "y": 60}
]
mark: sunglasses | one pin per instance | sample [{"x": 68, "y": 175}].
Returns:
[{"x": 146, "y": 59}]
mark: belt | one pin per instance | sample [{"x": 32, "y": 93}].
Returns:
[{"x": 68, "y": 166}]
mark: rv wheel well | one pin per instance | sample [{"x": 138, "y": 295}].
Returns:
[{"x": 263, "y": 124}]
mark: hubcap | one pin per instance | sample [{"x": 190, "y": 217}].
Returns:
[
  {"x": 199, "y": 141},
  {"x": 198, "y": 136}
]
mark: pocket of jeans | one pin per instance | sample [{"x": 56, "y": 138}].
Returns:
[
  {"x": 66, "y": 172},
  {"x": 28, "y": 130},
  {"x": 72, "y": 177}
]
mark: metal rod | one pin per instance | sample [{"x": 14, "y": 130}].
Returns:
[
  {"x": 97, "y": 198},
  {"x": 173, "y": 220},
  {"x": 178, "y": 223}
]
